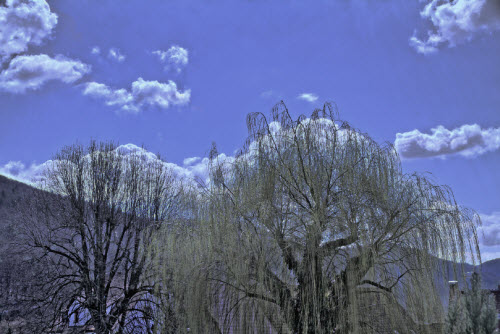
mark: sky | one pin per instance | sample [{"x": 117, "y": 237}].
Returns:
[{"x": 175, "y": 76}]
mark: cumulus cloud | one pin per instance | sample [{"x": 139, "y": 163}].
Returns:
[
  {"x": 309, "y": 97},
  {"x": 95, "y": 50},
  {"x": 24, "y": 23},
  {"x": 456, "y": 22},
  {"x": 116, "y": 55},
  {"x": 142, "y": 94},
  {"x": 195, "y": 169},
  {"x": 112, "y": 97},
  {"x": 467, "y": 140},
  {"x": 176, "y": 57},
  {"x": 31, "y": 72}
]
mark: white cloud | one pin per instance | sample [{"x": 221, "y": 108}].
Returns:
[
  {"x": 159, "y": 94},
  {"x": 143, "y": 93},
  {"x": 130, "y": 148},
  {"x": 24, "y": 23},
  {"x": 456, "y": 22},
  {"x": 467, "y": 140},
  {"x": 176, "y": 57},
  {"x": 112, "y": 97},
  {"x": 489, "y": 236},
  {"x": 115, "y": 54},
  {"x": 31, "y": 72},
  {"x": 491, "y": 229},
  {"x": 95, "y": 50},
  {"x": 18, "y": 171},
  {"x": 189, "y": 173},
  {"x": 190, "y": 161},
  {"x": 309, "y": 97}
]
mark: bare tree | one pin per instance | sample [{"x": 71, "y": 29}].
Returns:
[
  {"x": 309, "y": 222},
  {"x": 92, "y": 228}
]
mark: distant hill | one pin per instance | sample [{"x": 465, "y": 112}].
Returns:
[
  {"x": 490, "y": 271},
  {"x": 13, "y": 262},
  {"x": 12, "y": 194}
]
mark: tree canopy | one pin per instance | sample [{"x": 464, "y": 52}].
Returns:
[{"x": 311, "y": 220}]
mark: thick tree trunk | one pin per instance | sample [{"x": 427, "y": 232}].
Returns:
[{"x": 314, "y": 313}]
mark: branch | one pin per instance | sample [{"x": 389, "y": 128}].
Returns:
[
  {"x": 375, "y": 284},
  {"x": 334, "y": 244},
  {"x": 287, "y": 252}
]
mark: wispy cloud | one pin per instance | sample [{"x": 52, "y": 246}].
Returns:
[
  {"x": 309, "y": 97},
  {"x": 142, "y": 94},
  {"x": 115, "y": 54},
  {"x": 190, "y": 161},
  {"x": 24, "y": 23},
  {"x": 31, "y": 72},
  {"x": 174, "y": 58},
  {"x": 456, "y": 22},
  {"x": 491, "y": 229},
  {"x": 27, "y": 174},
  {"x": 267, "y": 94},
  {"x": 95, "y": 50},
  {"x": 467, "y": 140}
]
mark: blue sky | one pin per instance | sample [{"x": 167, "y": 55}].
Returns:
[{"x": 177, "y": 75}]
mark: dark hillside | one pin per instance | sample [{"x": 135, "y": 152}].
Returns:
[
  {"x": 15, "y": 265},
  {"x": 12, "y": 204}
]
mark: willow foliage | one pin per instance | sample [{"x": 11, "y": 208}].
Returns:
[{"x": 311, "y": 225}]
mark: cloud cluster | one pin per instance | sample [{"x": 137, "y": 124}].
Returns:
[
  {"x": 30, "y": 22},
  {"x": 192, "y": 169},
  {"x": 142, "y": 94},
  {"x": 31, "y": 72},
  {"x": 467, "y": 140},
  {"x": 456, "y": 22},
  {"x": 309, "y": 97},
  {"x": 196, "y": 168},
  {"x": 174, "y": 58},
  {"x": 24, "y": 23},
  {"x": 116, "y": 55}
]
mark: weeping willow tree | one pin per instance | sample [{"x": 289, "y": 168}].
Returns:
[{"x": 308, "y": 227}]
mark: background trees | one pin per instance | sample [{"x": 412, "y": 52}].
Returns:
[
  {"x": 312, "y": 218},
  {"x": 472, "y": 312},
  {"x": 92, "y": 228}
]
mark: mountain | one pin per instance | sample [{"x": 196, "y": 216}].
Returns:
[
  {"x": 11, "y": 205},
  {"x": 490, "y": 273},
  {"x": 14, "y": 264}
]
